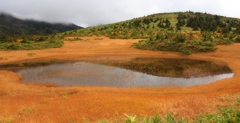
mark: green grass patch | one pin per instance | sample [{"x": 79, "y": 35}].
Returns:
[
  {"x": 27, "y": 110},
  {"x": 31, "y": 45},
  {"x": 6, "y": 120},
  {"x": 31, "y": 54},
  {"x": 75, "y": 39},
  {"x": 98, "y": 38},
  {"x": 224, "y": 115}
]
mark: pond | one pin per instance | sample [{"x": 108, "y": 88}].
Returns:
[{"x": 140, "y": 72}]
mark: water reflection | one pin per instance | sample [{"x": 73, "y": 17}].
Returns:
[{"x": 87, "y": 74}]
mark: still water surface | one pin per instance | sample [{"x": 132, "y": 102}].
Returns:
[{"x": 88, "y": 74}]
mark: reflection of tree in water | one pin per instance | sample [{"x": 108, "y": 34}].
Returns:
[{"x": 171, "y": 67}]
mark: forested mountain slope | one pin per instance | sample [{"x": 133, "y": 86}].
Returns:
[{"x": 10, "y": 25}]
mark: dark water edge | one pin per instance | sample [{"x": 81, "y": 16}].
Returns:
[
  {"x": 15, "y": 66},
  {"x": 170, "y": 67},
  {"x": 89, "y": 74}
]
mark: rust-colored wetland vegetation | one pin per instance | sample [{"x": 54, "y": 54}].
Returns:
[{"x": 49, "y": 103}]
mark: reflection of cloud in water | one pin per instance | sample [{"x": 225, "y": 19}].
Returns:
[{"x": 87, "y": 74}]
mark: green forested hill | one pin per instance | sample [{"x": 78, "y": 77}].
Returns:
[
  {"x": 18, "y": 34},
  {"x": 185, "y": 32},
  {"x": 10, "y": 25}
]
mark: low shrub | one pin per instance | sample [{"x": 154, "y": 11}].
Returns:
[
  {"x": 31, "y": 45},
  {"x": 98, "y": 39},
  {"x": 237, "y": 39},
  {"x": 187, "y": 52},
  {"x": 186, "y": 47}
]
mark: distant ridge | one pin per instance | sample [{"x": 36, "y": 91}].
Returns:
[{"x": 10, "y": 25}]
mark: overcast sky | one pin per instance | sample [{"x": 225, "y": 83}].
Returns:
[{"x": 95, "y": 12}]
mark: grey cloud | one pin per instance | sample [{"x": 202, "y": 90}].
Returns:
[{"x": 95, "y": 12}]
